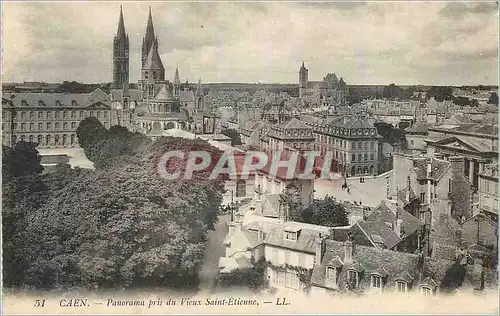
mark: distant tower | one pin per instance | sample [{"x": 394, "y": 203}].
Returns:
[
  {"x": 149, "y": 39},
  {"x": 303, "y": 80},
  {"x": 199, "y": 97},
  {"x": 120, "y": 55},
  {"x": 177, "y": 83}
]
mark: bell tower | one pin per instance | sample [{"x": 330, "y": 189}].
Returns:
[{"x": 120, "y": 55}]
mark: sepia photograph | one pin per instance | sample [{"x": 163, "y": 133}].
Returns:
[{"x": 224, "y": 157}]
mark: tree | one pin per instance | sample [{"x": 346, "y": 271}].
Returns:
[
  {"x": 90, "y": 132},
  {"x": 440, "y": 93},
  {"x": 118, "y": 226},
  {"x": 393, "y": 92},
  {"x": 290, "y": 202},
  {"x": 493, "y": 98},
  {"x": 326, "y": 212},
  {"x": 234, "y": 135},
  {"x": 453, "y": 278},
  {"x": 21, "y": 160}
]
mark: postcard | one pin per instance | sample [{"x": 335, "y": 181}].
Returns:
[{"x": 219, "y": 157}]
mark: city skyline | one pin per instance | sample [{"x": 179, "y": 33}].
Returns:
[{"x": 366, "y": 43}]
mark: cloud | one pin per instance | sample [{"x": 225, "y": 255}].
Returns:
[
  {"x": 457, "y": 10},
  {"x": 366, "y": 43}
]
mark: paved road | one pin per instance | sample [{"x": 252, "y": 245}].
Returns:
[
  {"x": 370, "y": 193},
  {"x": 214, "y": 251}
]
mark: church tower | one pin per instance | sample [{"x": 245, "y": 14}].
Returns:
[
  {"x": 152, "y": 70},
  {"x": 199, "y": 97},
  {"x": 120, "y": 55},
  {"x": 303, "y": 80}
]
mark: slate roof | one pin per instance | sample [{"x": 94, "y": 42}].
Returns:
[
  {"x": 438, "y": 167},
  {"x": 306, "y": 241},
  {"x": 292, "y": 124},
  {"x": 164, "y": 94},
  {"x": 153, "y": 60},
  {"x": 418, "y": 128},
  {"x": 391, "y": 264},
  {"x": 50, "y": 99},
  {"x": 186, "y": 96},
  {"x": 401, "y": 195},
  {"x": 384, "y": 213},
  {"x": 271, "y": 205},
  {"x": 134, "y": 95}
]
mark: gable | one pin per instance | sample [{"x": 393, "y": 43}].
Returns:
[
  {"x": 98, "y": 106},
  {"x": 455, "y": 143}
]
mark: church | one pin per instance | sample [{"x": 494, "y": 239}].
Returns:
[
  {"x": 157, "y": 103},
  {"x": 329, "y": 92}
]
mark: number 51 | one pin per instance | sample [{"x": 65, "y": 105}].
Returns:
[{"x": 39, "y": 303}]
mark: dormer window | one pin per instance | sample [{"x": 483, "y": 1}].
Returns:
[
  {"x": 427, "y": 291},
  {"x": 376, "y": 281},
  {"x": 290, "y": 235},
  {"x": 401, "y": 286},
  {"x": 352, "y": 278}
]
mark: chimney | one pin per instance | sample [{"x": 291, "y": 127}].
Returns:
[
  {"x": 348, "y": 250},
  {"x": 429, "y": 169},
  {"x": 408, "y": 189},
  {"x": 320, "y": 249},
  {"x": 398, "y": 227},
  {"x": 457, "y": 165}
]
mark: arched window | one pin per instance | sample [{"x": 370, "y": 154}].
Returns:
[
  {"x": 353, "y": 171},
  {"x": 72, "y": 139},
  {"x": 31, "y": 138},
  {"x": 241, "y": 188},
  {"x": 39, "y": 139},
  {"x": 401, "y": 286},
  {"x": 23, "y": 138},
  {"x": 427, "y": 291},
  {"x": 47, "y": 140},
  {"x": 360, "y": 170},
  {"x": 64, "y": 139},
  {"x": 56, "y": 140},
  {"x": 365, "y": 169},
  {"x": 372, "y": 169},
  {"x": 376, "y": 281}
]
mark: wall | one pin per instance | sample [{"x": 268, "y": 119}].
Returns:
[
  {"x": 280, "y": 256},
  {"x": 487, "y": 235},
  {"x": 418, "y": 144}
]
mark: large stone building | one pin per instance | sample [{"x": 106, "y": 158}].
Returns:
[
  {"x": 330, "y": 91},
  {"x": 488, "y": 191},
  {"x": 51, "y": 119},
  {"x": 354, "y": 142}
]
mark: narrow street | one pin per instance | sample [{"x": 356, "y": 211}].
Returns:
[{"x": 215, "y": 249}]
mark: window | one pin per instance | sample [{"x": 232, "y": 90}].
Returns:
[
  {"x": 23, "y": 115},
  {"x": 360, "y": 144},
  {"x": 372, "y": 157},
  {"x": 412, "y": 142},
  {"x": 49, "y": 115},
  {"x": 105, "y": 114},
  {"x": 352, "y": 277},
  {"x": 105, "y": 124},
  {"x": 353, "y": 157},
  {"x": 290, "y": 235},
  {"x": 72, "y": 139},
  {"x": 15, "y": 126},
  {"x": 31, "y": 138},
  {"x": 73, "y": 114},
  {"x": 49, "y": 126},
  {"x": 331, "y": 274},
  {"x": 99, "y": 113},
  {"x": 427, "y": 291},
  {"x": 372, "y": 145},
  {"x": 422, "y": 197},
  {"x": 23, "y": 126},
  {"x": 65, "y": 125},
  {"x": 73, "y": 125},
  {"x": 40, "y": 115},
  {"x": 91, "y": 113},
  {"x": 56, "y": 125},
  {"x": 56, "y": 114},
  {"x": 40, "y": 126},
  {"x": 65, "y": 114},
  {"x": 366, "y": 157},
  {"x": 32, "y": 126},
  {"x": 241, "y": 188},
  {"x": 376, "y": 281},
  {"x": 401, "y": 287},
  {"x": 3, "y": 126},
  {"x": 47, "y": 140},
  {"x": 81, "y": 114}
]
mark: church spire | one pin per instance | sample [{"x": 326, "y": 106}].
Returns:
[
  {"x": 121, "y": 26},
  {"x": 198, "y": 87},
  {"x": 177, "y": 79},
  {"x": 149, "y": 39}
]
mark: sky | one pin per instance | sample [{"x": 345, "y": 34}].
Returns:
[{"x": 430, "y": 43}]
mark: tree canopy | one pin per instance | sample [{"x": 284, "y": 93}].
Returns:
[
  {"x": 22, "y": 160},
  {"x": 121, "y": 225},
  {"x": 234, "y": 135},
  {"x": 325, "y": 212}
]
